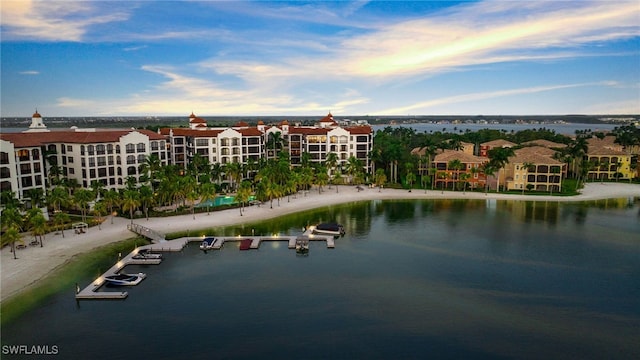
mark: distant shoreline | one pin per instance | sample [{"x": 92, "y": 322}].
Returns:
[{"x": 35, "y": 263}]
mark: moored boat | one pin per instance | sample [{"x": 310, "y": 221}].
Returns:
[
  {"x": 302, "y": 245},
  {"x": 329, "y": 229},
  {"x": 124, "y": 279},
  {"x": 145, "y": 254},
  {"x": 207, "y": 243}
]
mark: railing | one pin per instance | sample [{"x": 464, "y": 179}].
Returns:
[{"x": 146, "y": 232}]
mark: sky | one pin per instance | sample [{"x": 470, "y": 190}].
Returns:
[{"x": 279, "y": 58}]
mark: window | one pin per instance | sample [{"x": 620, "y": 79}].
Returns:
[
  {"x": 35, "y": 154},
  {"x": 90, "y": 149},
  {"x": 100, "y": 149},
  {"x": 25, "y": 168},
  {"x": 5, "y": 172},
  {"x": 81, "y": 149},
  {"x": 92, "y": 173},
  {"x": 131, "y": 170},
  {"x": 131, "y": 159},
  {"x": 36, "y": 168},
  {"x": 154, "y": 145},
  {"x": 131, "y": 148},
  {"x": 70, "y": 160},
  {"x": 23, "y": 155},
  {"x": 72, "y": 171},
  {"x": 102, "y": 161},
  {"x": 4, "y": 157},
  {"x": 141, "y": 147},
  {"x": 27, "y": 181},
  {"x": 92, "y": 161},
  {"x": 38, "y": 180},
  {"x": 102, "y": 172},
  {"x": 202, "y": 142},
  {"x": 110, "y": 148}
]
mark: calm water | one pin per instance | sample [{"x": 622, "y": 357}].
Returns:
[
  {"x": 564, "y": 129},
  {"x": 411, "y": 279}
]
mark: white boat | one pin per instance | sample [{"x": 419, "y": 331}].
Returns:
[
  {"x": 302, "y": 245},
  {"x": 207, "y": 243},
  {"x": 124, "y": 279},
  {"x": 329, "y": 229}
]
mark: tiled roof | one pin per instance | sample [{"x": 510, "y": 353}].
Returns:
[
  {"x": 605, "y": 146},
  {"x": 309, "y": 131},
  {"x": 30, "y": 139},
  {"x": 498, "y": 143},
  {"x": 534, "y": 155},
  {"x": 448, "y": 155},
  {"x": 191, "y": 132},
  {"x": 241, "y": 124},
  {"x": 359, "y": 129},
  {"x": 545, "y": 143}
]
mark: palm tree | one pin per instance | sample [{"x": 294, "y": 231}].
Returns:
[
  {"x": 233, "y": 172},
  {"x": 499, "y": 157},
  {"x": 36, "y": 195},
  {"x": 111, "y": 199},
  {"x": 525, "y": 179},
  {"x": 130, "y": 202},
  {"x": 456, "y": 165},
  {"x": 97, "y": 187},
  {"x": 337, "y": 178},
  {"x": 60, "y": 219},
  {"x": 81, "y": 198},
  {"x": 58, "y": 197},
  {"x": 353, "y": 167},
  {"x": 37, "y": 224},
  {"x": 321, "y": 177},
  {"x": 146, "y": 199},
  {"x": 11, "y": 217},
  {"x": 11, "y": 236},
  {"x": 207, "y": 193},
  {"x": 381, "y": 179},
  {"x": 151, "y": 167},
  {"x": 242, "y": 196},
  {"x": 8, "y": 199},
  {"x": 489, "y": 170},
  {"x": 463, "y": 178},
  {"x": 99, "y": 210},
  {"x": 411, "y": 178},
  {"x": 192, "y": 195}
]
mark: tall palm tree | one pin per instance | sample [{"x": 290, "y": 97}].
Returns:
[
  {"x": 11, "y": 236},
  {"x": 111, "y": 199},
  {"x": 97, "y": 188},
  {"x": 37, "y": 224},
  {"x": 146, "y": 199},
  {"x": 151, "y": 166},
  {"x": 463, "y": 178},
  {"x": 11, "y": 217},
  {"x": 58, "y": 197},
  {"x": 130, "y": 202},
  {"x": 499, "y": 157},
  {"x": 207, "y": 193},
  {"x": 455, "y": 166},
  {"x": 36, "y": 195},
  {"x": 380, "y": 178},
  {"x": 337, "y": 178},
  {"x": 81, "y": 199},
  {"x": 526, "y": 166},
  {"x": 243, "y": 194},
  {"x": 60, "y": 219},
  {"x": 234, "y": 172},
  {"x": 99, "y": 210}
]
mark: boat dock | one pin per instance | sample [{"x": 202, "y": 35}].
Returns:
[
  {"x": 91, "y": 291},
  {"x": 257, "y": 240},
  {"x": 161, "y": 245}
]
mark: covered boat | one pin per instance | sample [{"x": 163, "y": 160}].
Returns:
[
  {"x": 207, "y": 243},
  {"x": 124, "y": 279},
  {"x": 146, "y": 254},
  {"x": 302, "y": 245},
  {"x": 329, "y": 229}
]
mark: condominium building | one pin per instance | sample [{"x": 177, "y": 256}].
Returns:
[
  {"x": 242, "y": 143},
  {"x": 534, "y": 168},
  {"x": 608, "y": 160},
  {"x": 83, "y": 155}
]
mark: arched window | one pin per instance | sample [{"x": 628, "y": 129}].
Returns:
[
  {"x": 141, "y": 147},
  {"x": 90, "y": 149},
  {"x": 131, "y": 170}
]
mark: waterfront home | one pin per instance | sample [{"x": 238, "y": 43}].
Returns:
[
  {"x": 607, "y": 160},
  {"x": 454, "y": 166},
  {"x": 534, "y": 168},
  {"x": 486, "y": 146}
]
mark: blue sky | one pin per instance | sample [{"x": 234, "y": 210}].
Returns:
[{"x": 155, "y": 58}]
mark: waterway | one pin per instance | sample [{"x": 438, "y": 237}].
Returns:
[
  {"x": 440, "y": 279},
  {"x": 567, "y": 129}
]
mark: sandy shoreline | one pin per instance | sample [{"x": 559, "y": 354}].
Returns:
[{"x": 34, "y": 263}]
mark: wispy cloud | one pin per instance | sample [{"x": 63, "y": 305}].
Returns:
[
  {"x": 53, "y": 20},
  {"x": 30, "y": 72}
]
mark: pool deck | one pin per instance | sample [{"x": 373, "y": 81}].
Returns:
[{"x": 162, "y": 245}]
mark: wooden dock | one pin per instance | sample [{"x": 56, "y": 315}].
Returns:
[{"x": 257, "y": 240}]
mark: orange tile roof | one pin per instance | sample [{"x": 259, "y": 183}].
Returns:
[
  {"x": 534, "y": 155},
  {"x": 448, "y": 155},
  {"x": 545, "y": 143},
  {"x": 498, "y": 143},
  {"x": 31, "y": 139}
]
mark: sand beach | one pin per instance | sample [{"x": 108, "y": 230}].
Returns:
[{"x": 35, "y": 262}]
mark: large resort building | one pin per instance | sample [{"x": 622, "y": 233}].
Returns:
[{"x": 111, "y": 156}]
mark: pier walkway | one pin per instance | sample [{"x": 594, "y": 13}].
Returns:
[{"x": 150, "y": 234}]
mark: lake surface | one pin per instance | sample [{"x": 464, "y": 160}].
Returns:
[{"x": 440, "y": 279}]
